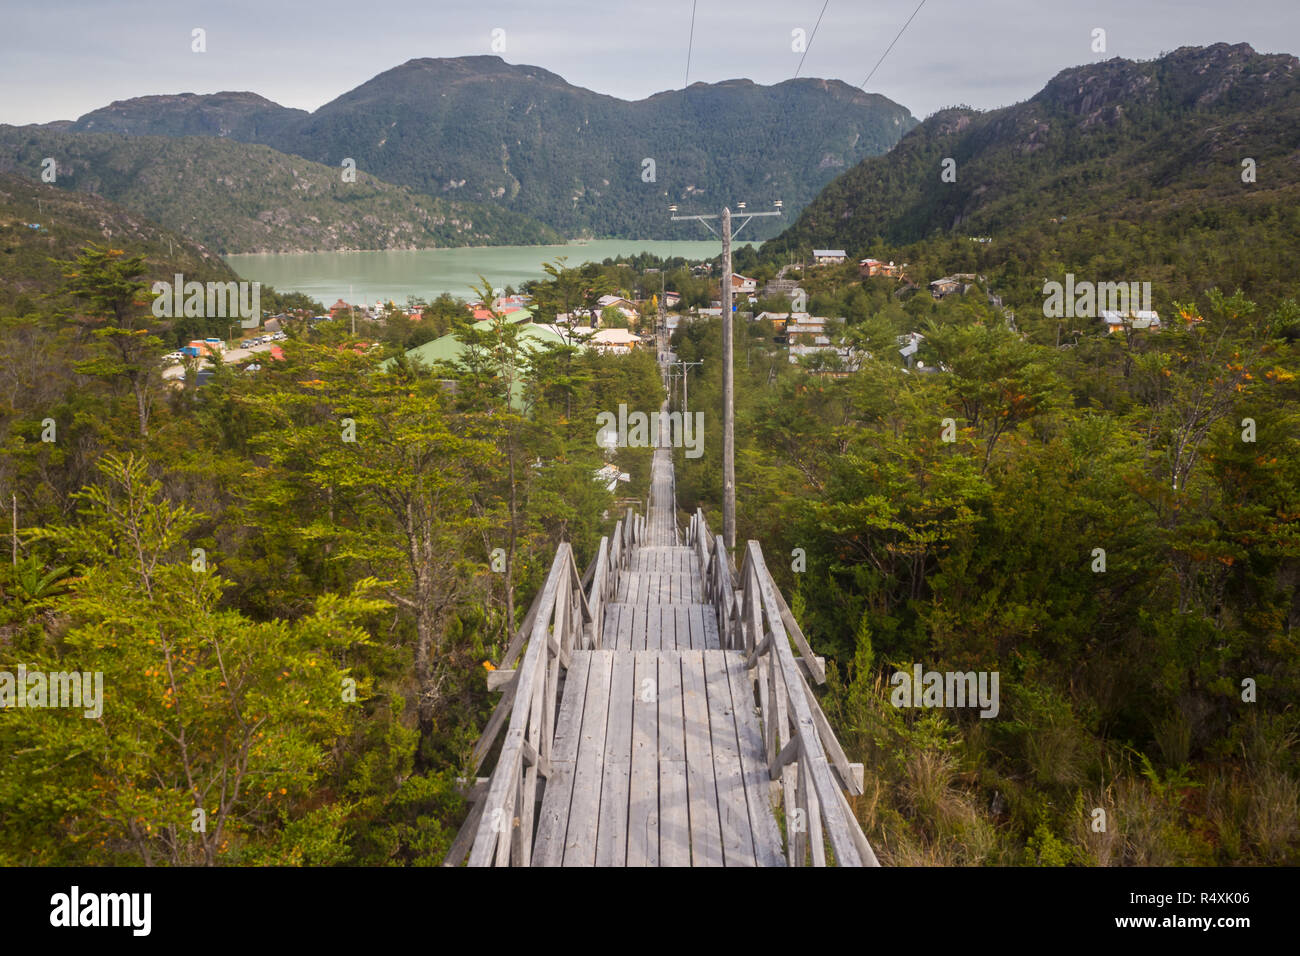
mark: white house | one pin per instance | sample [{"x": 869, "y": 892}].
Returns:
[
  {"x": 743, "y": 285},
  {"x": 829, "y": 257}
]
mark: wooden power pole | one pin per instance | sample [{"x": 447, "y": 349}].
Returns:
[
  {"x": 728, "y": 379},
  {"x": 728, "y": 395}
]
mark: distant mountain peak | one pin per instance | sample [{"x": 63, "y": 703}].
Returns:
[
  {"x": 1113, "y": 139},
  {"x": 234, "y": 114},
  {"x": 1190, "y": 77},
  {"x": 522, "y": 138}
]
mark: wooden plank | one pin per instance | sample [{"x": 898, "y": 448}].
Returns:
[
  {"x": 733, "y": 808},
  {"x": 525, "y": 629},
  {"x": 584, "y": 807},
  {"x": 850, "y": 774},
  {"x": 695, "y": 626},
  {"x": 753, "y": 764},
  {"x": 638, "y": 636},
  {"x": 674, "y": 816},
  {"x": 682, "y": 629},
  {"x": 465, "y": 836},
  {"x": 816, "y": 665},
  {"x": 553, "y": 820},
  {"x": 611, "y": 837},
  {"x": 643, "y": 797},
  {"x": 623, "y": 642},
  {"x": 500, "y": 714},
  {"x": 654, "y": 630},
  {"x": 813, "y": 760},
  {"x": 712, "y": 636},
  {"x": 489, "y": 847},
  {"x": 610, "y": 638},
  {"x": 702, "y": 791},
  {"x": 699, "y": 627}
]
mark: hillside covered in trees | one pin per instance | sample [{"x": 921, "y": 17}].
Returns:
[
  {"x": 290, "y": 623},
  {"x": 236, "y": 197},
  {"x": 1180, "y": 171},
  {"x": 479, "y": 130},
  {"x": 1112, "y": 528}
]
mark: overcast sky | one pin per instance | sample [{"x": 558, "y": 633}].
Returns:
[{"x": 63, "y": 58}]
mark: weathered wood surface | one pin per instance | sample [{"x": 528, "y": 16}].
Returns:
[{"x": 660, "y": 754}]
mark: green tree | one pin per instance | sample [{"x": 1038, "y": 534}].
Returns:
[
  {"x": 214, "y": 728},
  {"x": 109, "y": 281}
]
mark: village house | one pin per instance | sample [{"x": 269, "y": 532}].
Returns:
[
  {"x": 850, "y": 360},
  {"x": 829, "y": 257},
  {"x": 626, "y": 306},
  {"x": 618, "y": 302},
  {"x": 606, "y": 341},
  {"x": 874, "y": 267},
  {"x": 339, "y": 308},
  {"x": 803, "y": 329},
  {"x": 510, "y": 302},
  {"x": 908, "y": 345},
  {"x": 780, "y": 320},
  {"x": 742, "y": 285},
  {"x": 948, "y": 285},
  {"x": 1142, "y": 319},
  {"x": 775, "y": 287},
  {"x": 811, "y": 335},
  {"x": 615, "y": 341}
]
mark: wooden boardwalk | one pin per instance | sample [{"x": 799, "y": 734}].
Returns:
[
  {"x": 658, "y": 758},
  {"x": 654, "y": 713}
]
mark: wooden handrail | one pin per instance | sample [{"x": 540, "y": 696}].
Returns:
[
  {"x": 567, "y": 612},
  {"x": 802, "y": 750},
  {"x": 503, "y": 825},
  {"x": 795, "y": 731}
]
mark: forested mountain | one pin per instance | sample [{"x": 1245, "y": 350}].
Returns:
[
  {"x": 479, "y": 129},
  {"x": 41, "y": 225},
  {"x": 240, "y": 197},
  {"x": 245, "y": 117},
  {"x": 1131, "y": 168}
]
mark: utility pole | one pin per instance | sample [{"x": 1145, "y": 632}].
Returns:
[
  {"x": 728, "y": 382},
  {"x": 728, "y": 395},
  {"x": 685, "y": 369},
  {"x": 15, "y": 539}
]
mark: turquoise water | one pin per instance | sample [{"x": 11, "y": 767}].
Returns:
[{"x": 426, "y": 273}]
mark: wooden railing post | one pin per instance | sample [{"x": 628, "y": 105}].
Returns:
[{"x": 801, "y": 750}]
